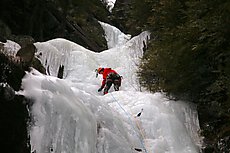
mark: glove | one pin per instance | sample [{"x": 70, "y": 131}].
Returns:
[{"x": 99, "y": 90}]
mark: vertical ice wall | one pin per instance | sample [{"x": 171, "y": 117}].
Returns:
[{"x": 71, "y": 116}]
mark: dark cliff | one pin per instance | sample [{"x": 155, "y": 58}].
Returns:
[{"x": 46, "y": 19}]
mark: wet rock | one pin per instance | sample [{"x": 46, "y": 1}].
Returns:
[
  {"x": 26, "y": 53},
  {"x": 6, "y": 91}
]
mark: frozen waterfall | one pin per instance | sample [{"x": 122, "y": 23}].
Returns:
[{"x": 70, "y": 116}]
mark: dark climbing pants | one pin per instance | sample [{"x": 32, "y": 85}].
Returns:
[{"x": 112, "y": 78}]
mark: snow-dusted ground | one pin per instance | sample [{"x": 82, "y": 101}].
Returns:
[{"x": 70, "y": 116}]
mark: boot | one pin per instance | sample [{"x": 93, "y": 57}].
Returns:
[{"x": 105, "y": 90}]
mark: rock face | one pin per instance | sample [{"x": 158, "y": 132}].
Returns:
[
  {"x": 14, "y": 116},
  {"x": 46, "y": 19}
]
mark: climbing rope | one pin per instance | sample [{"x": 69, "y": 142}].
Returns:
[
  {"x": 139, "y": 126},
  {"x": 131, "y": 122}
]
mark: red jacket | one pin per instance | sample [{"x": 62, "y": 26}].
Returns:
[{"x": 105, "y": 74}]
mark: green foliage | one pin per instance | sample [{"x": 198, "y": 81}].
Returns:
[
  {"x": 158, "y": 14},
  {"x": 190, "y": 50},
  {"x": 188, "y": 57}
]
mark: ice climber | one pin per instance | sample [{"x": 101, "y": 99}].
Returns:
[{"x": 110, "y": 77}]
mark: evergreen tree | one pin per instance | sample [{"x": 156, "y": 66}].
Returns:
[{"x": 188, "y": 58}]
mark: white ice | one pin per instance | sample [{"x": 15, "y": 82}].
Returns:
[
  {"x": 70, "y": 116},
  {"x": 109, "y": 4}
]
